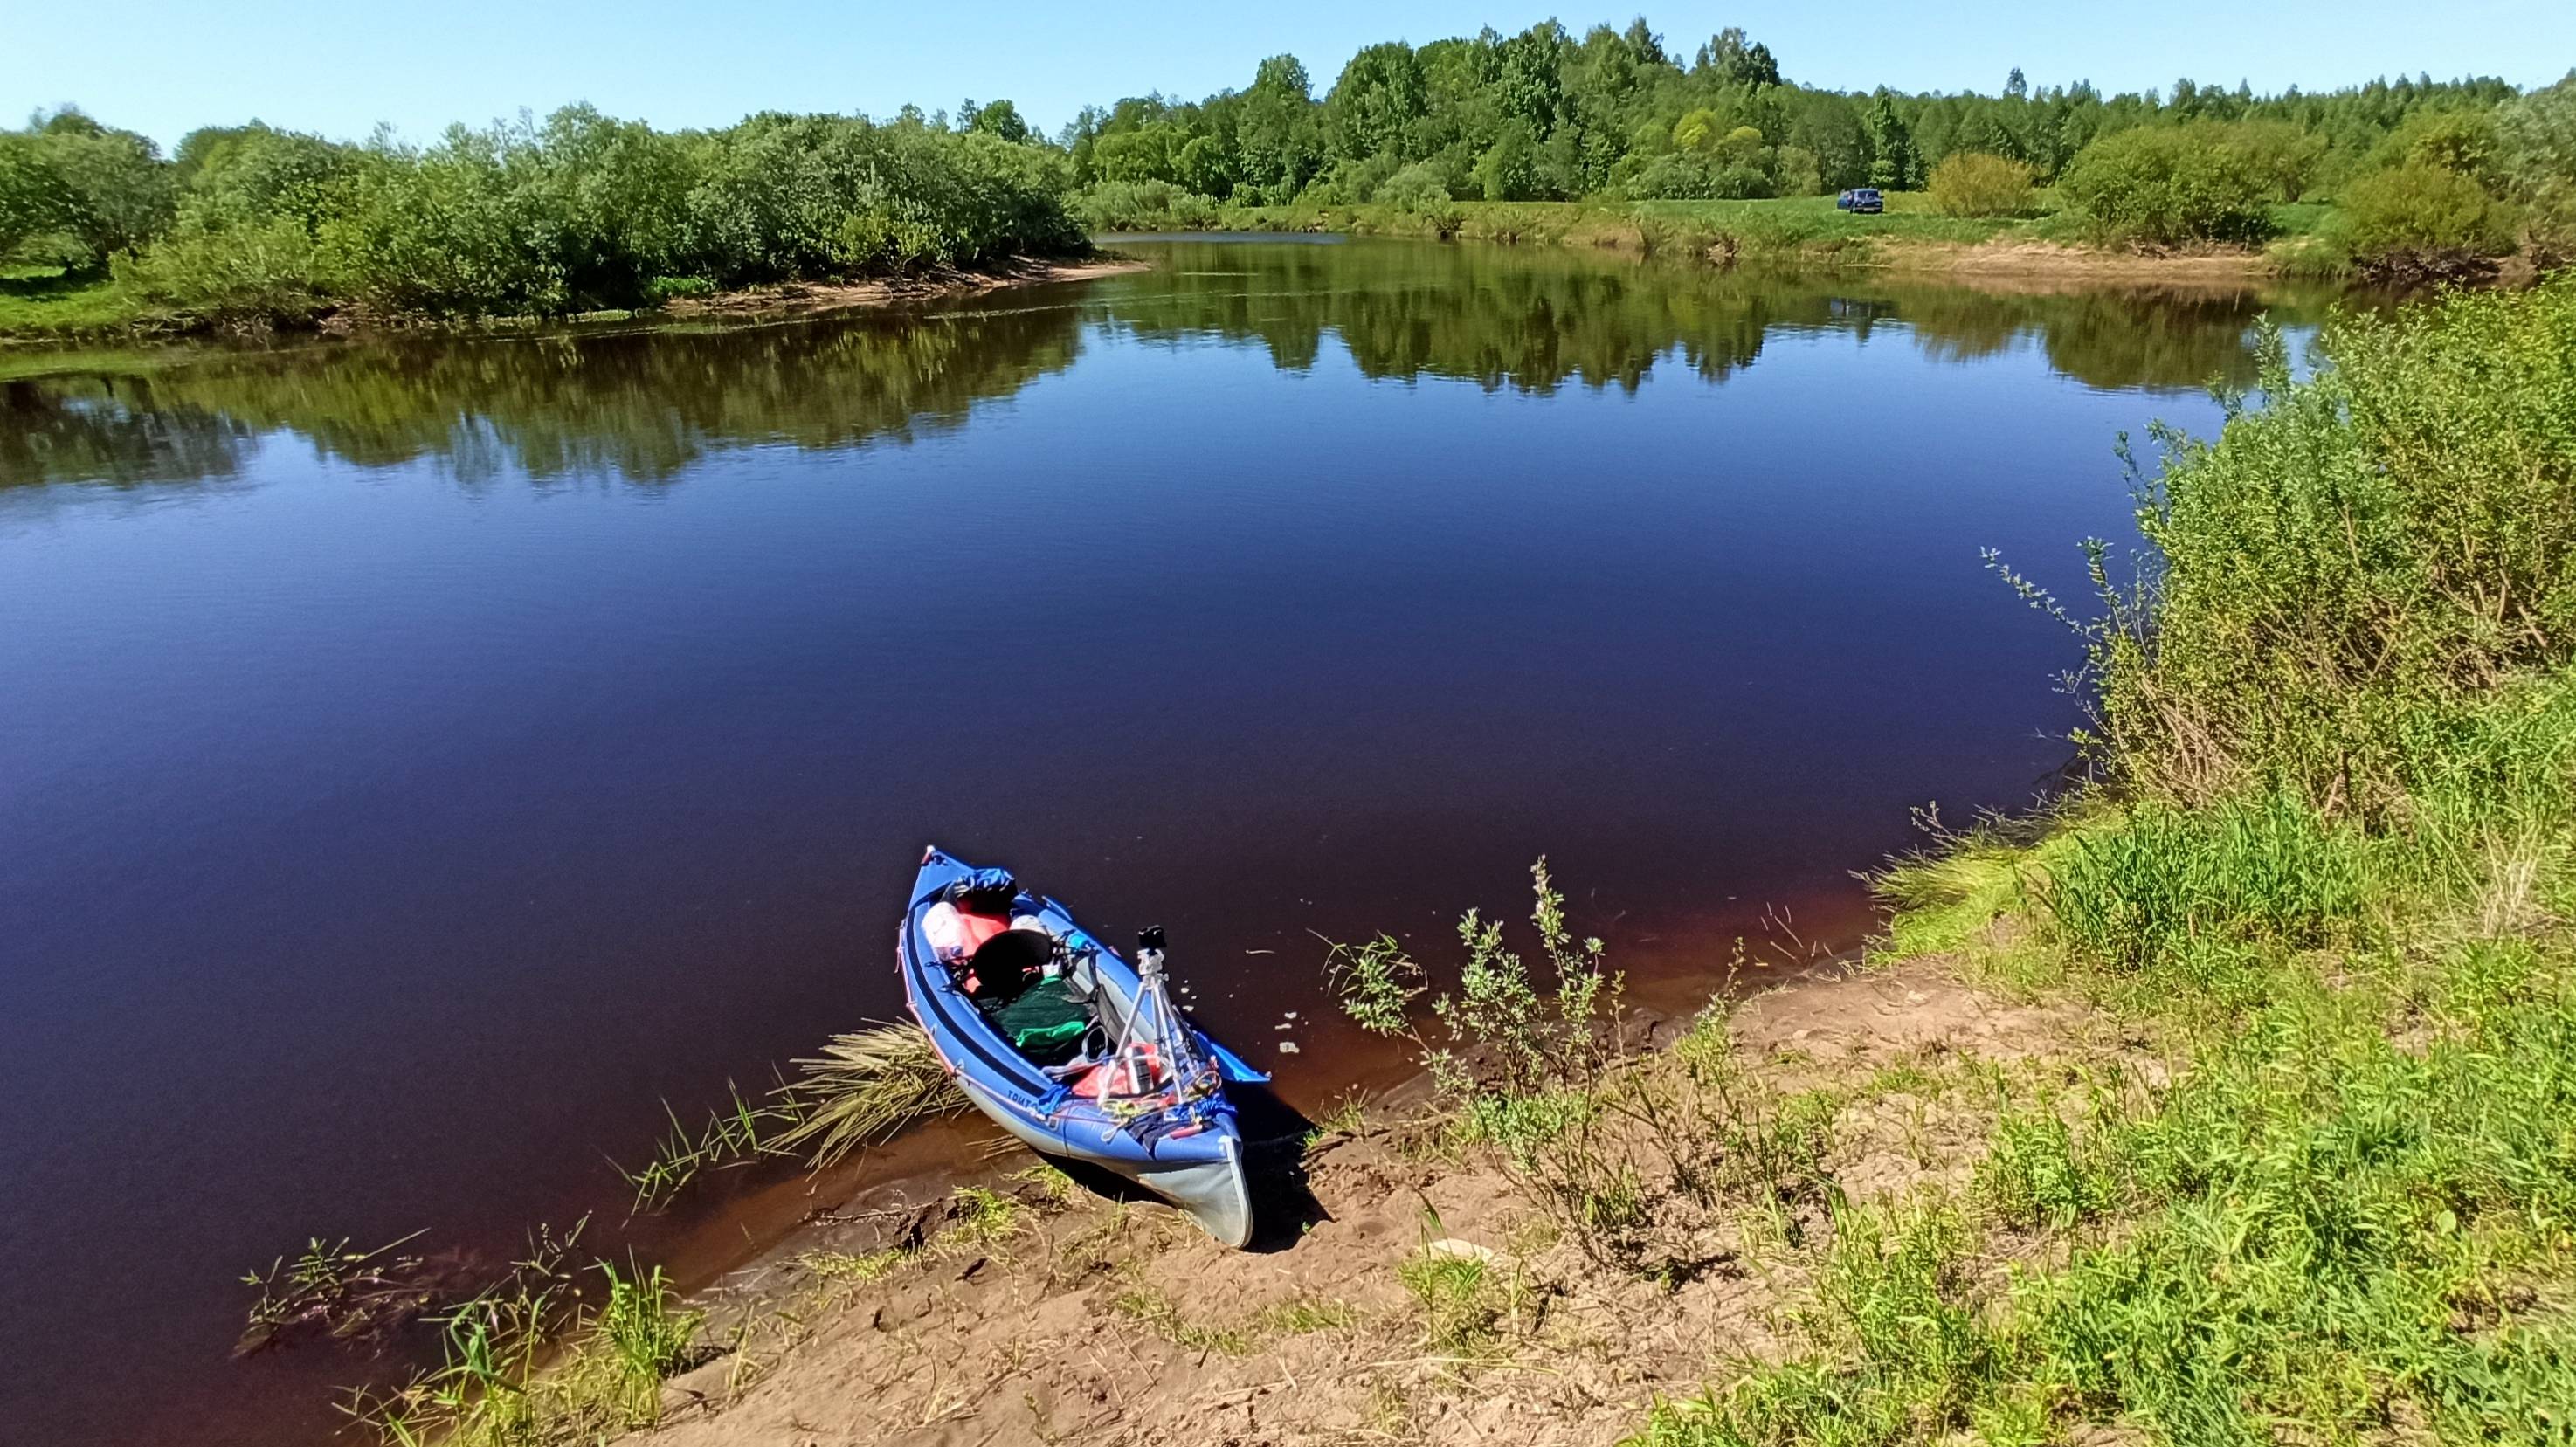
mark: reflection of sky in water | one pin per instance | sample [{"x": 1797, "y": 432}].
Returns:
[{"x": 440, "y": 753}]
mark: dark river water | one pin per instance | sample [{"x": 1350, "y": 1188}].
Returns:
[{"x": 419, "y": 759}]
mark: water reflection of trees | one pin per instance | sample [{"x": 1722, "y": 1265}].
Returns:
[
  {"x": 644, "y": 404},
  {"x": 1533, "y": 319},
  {"x": 1538, "y": 319},
  {"x": 641, "y": 405}
]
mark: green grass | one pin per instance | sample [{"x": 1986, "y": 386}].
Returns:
[
  {"x": 2300, "y": 218},
  {"x": 1463, "y": 1301},
  {"x": 2320, "y": 1229},
  {"x": 48, "y": 306},
  {"x": 539, "y": 1359}
]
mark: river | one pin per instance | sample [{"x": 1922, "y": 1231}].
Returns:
[{"x": 420, "y": 758}]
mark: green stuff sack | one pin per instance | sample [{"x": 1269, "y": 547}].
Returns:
[{"x": 1044, "y": 1022}]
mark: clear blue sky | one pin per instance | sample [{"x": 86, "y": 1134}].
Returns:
[{"x": 166, "y": 66}]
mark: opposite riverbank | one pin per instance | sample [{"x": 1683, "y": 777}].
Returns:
[
  {"x": 1801, "y": 231},
  {"x": 46, "y": 311}
]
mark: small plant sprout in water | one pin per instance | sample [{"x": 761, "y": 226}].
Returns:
[
  {"x": 740, "y": 1133},
  {"x": 333, "y": 1289}
]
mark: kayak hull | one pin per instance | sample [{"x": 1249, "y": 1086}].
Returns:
[
  {"x": 1195, "y": 1161},
  {"x": 1213, "y": 1193}
]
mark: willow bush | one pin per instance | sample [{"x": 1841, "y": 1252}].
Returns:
[
  {"x": 2164, "y": 185},
  {"x": 1973, "y": 183},
  {"x": 2421, "y": 220}
]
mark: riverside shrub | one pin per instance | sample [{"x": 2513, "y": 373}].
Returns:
[
  {"x": 1418, "y": 187},
  {"x": 1142, "y": 206},
  {"x": 2423, "y": 220},
  {"x": 2349, "y": 571},
  {"x": 250, "y": 274},
  {"x": 2536, "y": 137},
  {"x": 2164, "y": 185},
  {"x": 1973, "y": 183}
]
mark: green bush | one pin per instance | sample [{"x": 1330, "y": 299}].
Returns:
[
  {"x": 2463, "y": 142},
  {"x": 2363, "y": 559},
  {"x": 2286, "y": 155},
  {"x": 1972, "y": 183},
  {"x": 78, "y": 192},
  {"x": 2165, "y": 185},
  {"x": 1418, "y": 187},
  {"x": 270, "y": 273},
  {"x": 2420, "y": 219},
  {"x": 254, "y": 175},
  {"x": 2536, "y": 142},
  {"x": 1142, "y": 206},
  {"x": 1509, "y": 168},
  {"x": 35, "y": 200},
  {"x": 1688, "y": 176}
]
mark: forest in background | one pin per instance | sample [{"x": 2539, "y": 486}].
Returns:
[{"x": 580, "y": 211}]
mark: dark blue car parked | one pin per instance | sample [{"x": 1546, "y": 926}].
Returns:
[{"x": 1863, "y": 202}]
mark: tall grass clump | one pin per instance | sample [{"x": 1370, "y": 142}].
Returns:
[
  {"x": 2165, "y": 881},
  {"x": 865, "y": 1086},
  {"x": 1897, "y": 1351}
]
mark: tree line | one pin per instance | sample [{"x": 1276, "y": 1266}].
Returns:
[
  {"x": 577, "y": 211},
  {"x": 581, "y": 210},
  {"x": 1546, "y": 115}
]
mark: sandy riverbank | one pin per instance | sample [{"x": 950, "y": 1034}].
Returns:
[{"x": 915, "y": 1316}]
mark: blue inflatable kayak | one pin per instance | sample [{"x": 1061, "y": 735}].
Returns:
[{"x": 1070, "y": 1047}]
